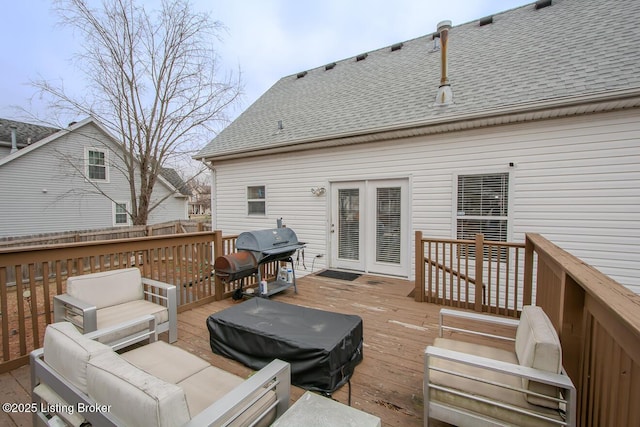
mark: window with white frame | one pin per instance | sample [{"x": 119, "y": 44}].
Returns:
[
  {"x": 121, "y": 213},
  {"x": 483, "y": 206},
  {"x": 97, "y": 164},
  {"x": 256, "y": 200}
]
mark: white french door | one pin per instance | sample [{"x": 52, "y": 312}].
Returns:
[{"x": 369, "y": 226}]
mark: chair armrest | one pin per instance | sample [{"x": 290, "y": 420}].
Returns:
[
  {"x": 151, "y": 333},
  {"x": 557, "y": 380},
  {"x": 475, "y": 319},
  {"x": 276, "y": 375},
  {"x": 168, "y": 294},
  {"x": 66, "y": 307}
]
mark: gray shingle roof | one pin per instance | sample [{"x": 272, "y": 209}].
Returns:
[
  {"x": 567, "y": 50},
  {"x": 26, "y": 133}
]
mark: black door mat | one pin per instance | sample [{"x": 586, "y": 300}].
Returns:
[{"x": 341, "y": 275}]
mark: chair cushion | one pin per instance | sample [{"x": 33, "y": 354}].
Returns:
[
  {"x": 135, "y": 397},
  {"x": 167, "y": 362},
  {"x": 538, "y": 346},
  {"x": 67, "y": 351},
  {"x": 116, "y": 314},
  {"x": 107, "y": 288}
]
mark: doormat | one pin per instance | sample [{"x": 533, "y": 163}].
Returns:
[{"x": 341, "y": 275}]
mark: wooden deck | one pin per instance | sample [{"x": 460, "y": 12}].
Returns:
[{"x": 388, "y": 382}]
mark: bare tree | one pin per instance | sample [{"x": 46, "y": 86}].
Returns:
[{"x": 152, "y": 82}]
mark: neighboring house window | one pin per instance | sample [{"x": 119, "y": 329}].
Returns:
[
  {"x": 120, "y": 213},
  {"x": 256, "y": 200},
  {"x": 97, "y": 165},
  {"x": 483, "y": 206}
]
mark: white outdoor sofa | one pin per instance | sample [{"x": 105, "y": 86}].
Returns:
[
  {"x": 104, "y": 299},
  {"x": 76, "y": 379},
  {"x": 468, "y": 384}
]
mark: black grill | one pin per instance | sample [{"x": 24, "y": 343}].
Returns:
[{"x": 256, "y": 248}]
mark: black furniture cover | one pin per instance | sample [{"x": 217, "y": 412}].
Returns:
[{"x": 322, "y": 347}]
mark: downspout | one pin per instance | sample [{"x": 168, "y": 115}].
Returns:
[
  {"x": 14, "y": 139},
  {"x": 444, "y": 96}
]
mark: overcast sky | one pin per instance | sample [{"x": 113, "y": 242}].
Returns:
[{"x": 266, "y": 39}]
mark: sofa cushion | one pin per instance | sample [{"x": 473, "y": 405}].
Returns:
[
  {"x": 538, "y": 346},
  {"x": 165, "y": 361},
  {"x": 107, "y": 288},
  {"x": 135, "y": 397},
  {"x": 210, "y": 384},
  {"x": 67, "y": 351},
  {"x": 116, "y": 314}
]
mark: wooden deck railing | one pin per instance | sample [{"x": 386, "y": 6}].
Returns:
[
  {"x": 597, "y": 319},
  {"x": 31, "y": 276},
  {"x": 449, "y": 272}
]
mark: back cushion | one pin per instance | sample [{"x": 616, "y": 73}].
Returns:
[
  {"x": 107, "y": 288},
  {"x": 67, "y": 351},
  {"x": 538, "y": 346},
  {"x": 135, "y": 397}
]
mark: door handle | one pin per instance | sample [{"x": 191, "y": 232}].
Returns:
[{"x": 333, "y": 228}]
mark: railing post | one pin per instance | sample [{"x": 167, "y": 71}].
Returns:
[
  {"x": 479, "y": 271},
  {"x": 527, "y": 289},
  {"x": 418, "y": 294},
  {"x": 218, "y": 250}
]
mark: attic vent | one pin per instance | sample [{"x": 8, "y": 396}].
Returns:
[
  {"x": 396, "y": 46},
  {"x": 486, "y": 21},
  {"x": 329, "y": 66},
  {"x": 301, "y": 74},
  {"x": 362, "y": 56},
  {"x": 542, "y": 4}
]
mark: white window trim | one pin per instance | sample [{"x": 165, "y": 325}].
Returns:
[
  {"x": 454, "y": 198},
  {"x": 263, "y": 200},
  {"x": 106, "y": 164},
  {"x": 113, "y": 213}
]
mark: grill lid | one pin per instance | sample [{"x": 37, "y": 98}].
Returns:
[{"x": 270, "y": 241}]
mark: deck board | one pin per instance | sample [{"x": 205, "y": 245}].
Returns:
[{"x": 388, "y": 382}]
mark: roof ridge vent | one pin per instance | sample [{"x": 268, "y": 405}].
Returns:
[
  {"x": 540, "y": 4},
  {"x": 301, "y": 74},
  {"x": 361, "y": 57},
  {"x": 330, "y": 66},
  {"x": 396, "y": 46},
  {"x": 486, "y": 21}
]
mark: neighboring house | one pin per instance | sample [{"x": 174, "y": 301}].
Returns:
[
  {"x": 200, "y": 200},
  {"x": 53, "y": 181},
  {"x": 543, "y": 136}
]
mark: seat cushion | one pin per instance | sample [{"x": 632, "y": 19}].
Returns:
[
  {"x": 116, "y": 314},
  {"x": 107, "y": 288},
  {"x": 135, "y": 397},
  {"x": 67, "y": 351},
  {"x": 165, "y": 361},
  {"x": 210, "y": 384},
  {"x": 538, "y": 346}
]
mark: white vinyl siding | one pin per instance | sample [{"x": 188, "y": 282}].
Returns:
[{"x": 576, "y": 181}]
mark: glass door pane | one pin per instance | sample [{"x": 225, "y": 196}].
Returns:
[
  {"x": 388, "y": 224},
  {"x": 349, "y": 223}
]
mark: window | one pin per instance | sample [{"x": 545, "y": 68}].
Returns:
[
  {"x": 120, "y": 213},
  {"x": 97, "y": 165},
  {"x": 256, "y": 200},
  {"x": 483, "y": 203}
]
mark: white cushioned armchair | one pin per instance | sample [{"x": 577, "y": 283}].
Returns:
[
  {"x": 78, "y": 380},
  {"x": 104, "y": 299},
  {"x": 519, "y": 383}
]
